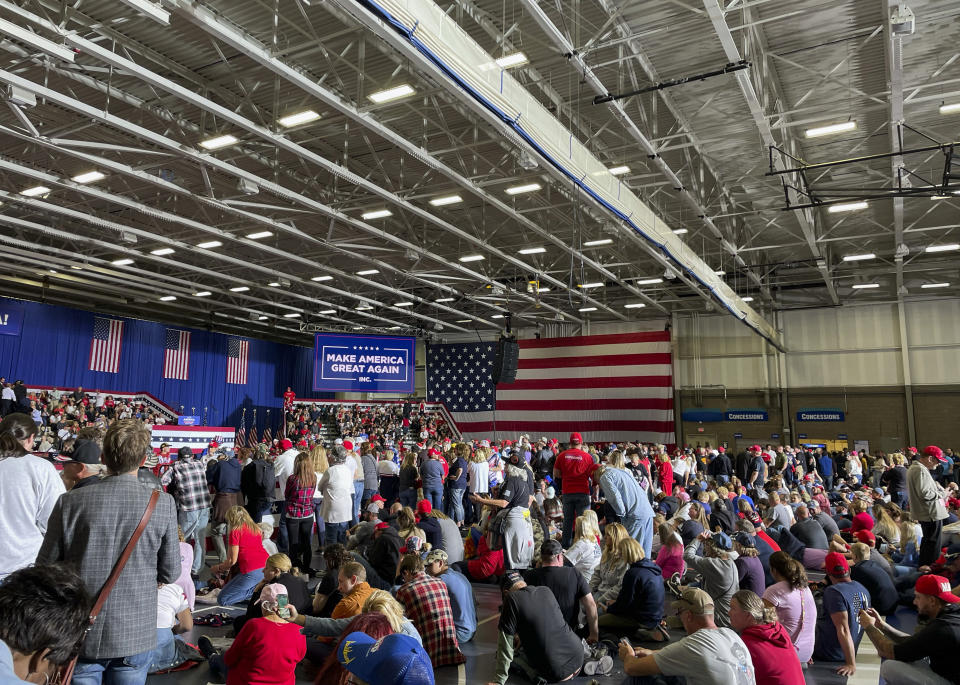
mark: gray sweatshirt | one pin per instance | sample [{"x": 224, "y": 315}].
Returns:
[{"x": 720, "y": 580}]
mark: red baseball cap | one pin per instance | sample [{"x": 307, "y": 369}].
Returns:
[
  {"x": 286, "y": 444},
  {"x": 936, "y": 586},
  {"x": 836, "y": 565},
  {"x": 424, "y": 506},
  {"x": 866, "y": 537},
  {"x": 576, "y": 438},
  {"x": 381, "y": 526},
  {"x": 756, "y": 448},
  {"x": 214, "y": 443},
  {"x": 348, "y": 445},
  {"x": 433, "y": 452},
  {"x": 377, "y": 498},
  {"x": 934, "y": 451}
]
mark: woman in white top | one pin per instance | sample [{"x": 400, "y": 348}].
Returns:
[
  {"x": 585, "y": 551},
  {"x": 337, "y": 488},
  {"x": 478, "y": 483},
  {"x": 855, "y": 468},
  {"x": 29, "y": 487}
]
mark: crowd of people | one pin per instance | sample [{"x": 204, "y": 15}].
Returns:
[{"x": 360, "y": 556}]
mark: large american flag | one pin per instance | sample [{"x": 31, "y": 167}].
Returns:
[
  {"x": 105, "y": 346},
  {"x": 607, "y": 387},
  {"x": 238, "y": 358},
  {"x": 176, "y": 354}
]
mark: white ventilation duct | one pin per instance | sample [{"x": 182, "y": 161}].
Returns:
[{"x": 449, "y": 48}]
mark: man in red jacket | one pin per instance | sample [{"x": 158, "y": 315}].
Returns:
[
  {"x": 573, "y": 467},
  {"x": 774, "y": 657}
]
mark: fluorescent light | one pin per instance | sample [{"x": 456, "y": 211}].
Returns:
[
  {"x": 595, "y": 243},
  {"x": 152, "y": 10},
  {"x": 587, "y": 309},
  {"x": 543, "y": 290},
  {"x": 203, "y": 293},
  {"x": 527, "y": 188},
  {"x": 831, "y": 129},
  {"x": 721, "y": 272},
  {"x": 239, "y": 289},
  {"x": 619, "y": 170},
  {"x": 649, "y": 281},
  {"x": 846, "y": 207},
  {"x": 358, "y": 328},
  {"x": 512, "y": 60},
  {"x": 679, "y": 231},
  {"x": 472, "y": 258},
  {"x": 403, "y": 304},
  {"x": 935, "y": 285},
  {"x": 389, "y": 94},
  {"x": 322, "y": 278},
  {"x": 859, "y": 257},
  {"x": 393, "y": 328},
  {"x": 376, "y": 214},
  {"x": 368, "y": 272},
  {"x": 291, "y": 315},
  {"x": 35, "y": 191},
  {"x": 939, "y": 197},
  {"x": 364, "y": 308},
  {"x": 943, "y": 248},
  {"x": 446, "y": 200},
  {"x": 168, "y": 298},
  {"x": 464, "y": 320},
  {"x": 262, "y": 318},
  {"x": 329, "y": 311},
  {"x": 950, "y": 109},
  {"x": 497, "y": 316},
  {"x": 746, "y": 299},
  {"x": 587, "y": 286},
  {"x": 76, "y": 267},
  {"x": 273, "y": 284},
  {"x": 218, "y": 142},
  {"x": 209, "y": 244},
  {"x": 259, "y": 234},
  {"x": 35, "y": 40},
  {"x": 304, "y": 117},
  {"x": 161, "y": 251},
  {"x": 126, "y": 261},
  {"x": 445, "y": 299},
  {"x": 88, "y": 177},
  {"x": 864, "y": 286},
  {"x": 532, "y": 250},
  {"x": 634, "y": 305}
]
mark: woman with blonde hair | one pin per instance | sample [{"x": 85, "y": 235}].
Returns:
[
  {"x": 638, "y": 607},
  {"x": 279, "y": 569},
  {"x": 670, "y": 554},
  {"x": 478, "y": 483},
  {"x": 245, "y": 550},
  {"x": 320, "y": 465},
  {"x": 606, "y": 578},
  {"x": 585, "y": 551},
  {"x": 407, "y": 522}
]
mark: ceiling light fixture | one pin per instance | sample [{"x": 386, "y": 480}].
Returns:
[
  {"x": 935, "y": 285},
  {"x": 497, "y": 316},
  {"x": 513, "y": 60},
  {"x": 543, "y": 290},
  {"x": 587, "y": 286},
  {"x": 122, "y": 262},
  {"x": 846, "y": 207},
  {"x": 403, "y": 304},
  {"x": 746, "y": 299},
  {"x": 239, "y": 289},
  {"x": 161, "y": 251},
  {"x": 389, "y": 94},
  {"x": 368, "y": 272},
  {"x": 35, "y": 40},
  {"x": 89, "y": 177},
  {"x": 464, "y": 320},
  {"x": 318, "y": 279},
  {"x": 859, "y": 257},
  {"x": 291, "y": 315},
  {"x": 273, "y": 284},
  {"x": 329, "y": 311},
  {"x": 950, "y": 109},
  {"x": 299, "y": 118},
  {"x": 472, "y": 258},
  {"x": 865, "y": 286},
  {"x": 218, "y": 142},
  {"x": 209, "y": 244},
  {"x": 446, "y": 200},
  {"x": 376, "y": 214},
  {"x": 619, "y": 170},
  {"x": 168, "y": 298},
  {"x": 203, "y": 293},
  {"x": 634, "y": 305},
  {"x": 259, "y": 234},
  {"x": 262, "y": 318},
  {"x": 721, "y": 272},
  {"x": 680, "y": 231},
  {"x": 587, "y": 309},
  {"x": 649, "y": 281},
  {"x": 939, "y": 197},
  {"x": 36, "y": 191},
  {"x": 595, "y": 243},
  {"x": 532, "y": 250},
  {"x": 364, "y": 308},
  {"x": 831, "y": 129},
  {"x": 526, "y": 188},
  {"x": 444, "y": 299},
  {"x": 943, "y": 248}
]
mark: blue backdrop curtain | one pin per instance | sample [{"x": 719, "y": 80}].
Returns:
[{"x": 53, "y": 348}]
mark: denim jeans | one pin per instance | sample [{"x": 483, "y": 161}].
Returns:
[
  {"x": 283, "y": 540},
  {"x": 125, "y": 670},
  {"x": 435, "y": 497},
  {"x": 640, "y": 530},
  {"x": 574, "y": 504},
  {"x": 258, "y": 508},
  {"x": 166, "y": 655},
  {"x": 408, "y": 497},
  {"x": 455, "y": 498},
  {"x": 356, "y": 497},
  {"x": 193, "y": 524},
  {"x": 335, "y": 532},
  {"x": 318, "y": 519},
  {"x": 240, "y": 588}
]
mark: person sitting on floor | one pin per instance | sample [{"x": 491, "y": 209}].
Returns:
[
  {"x": 462, "y": 601},
  {"x": 719, "y": 573},
  {"x": 773, "y": 655},
  {"x": 391, "y": 660},
  {"x": 427, "y": 604},
  {"x": 353, "y": 586},
  {"x": 568, "y": 587},
  {"x": 638, "y": 607},
  {"x": 278, "y": 570}
]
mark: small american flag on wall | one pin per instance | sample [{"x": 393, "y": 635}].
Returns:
[
  {"x": 238, "y": 359},
  {"x": 105, "y": 346},
  {"x": 176, "y": 355}
]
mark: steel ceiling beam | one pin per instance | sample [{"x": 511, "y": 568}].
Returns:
[
  {"x": 893, "y": 51},
  {"x": 804, "y": 217}
]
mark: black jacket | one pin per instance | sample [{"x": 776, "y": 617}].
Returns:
[
  {"x": 641, "y": 593},
  {"x": 257, "y": 480},
  {"x": 385, "y": 554}
]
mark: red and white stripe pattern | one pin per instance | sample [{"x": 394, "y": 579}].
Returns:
[
  {"x": 176, "y": 355},
  {"x": 195, "y": 437},
  {"x": 609, "y": 388},
  {"x": 105, "y": 345},
  {"x": 238, "y": 356}
]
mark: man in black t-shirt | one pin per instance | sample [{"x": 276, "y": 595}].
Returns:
[
  {"x": 566, "y": 583},
  {"x": 548, "y": 648}
]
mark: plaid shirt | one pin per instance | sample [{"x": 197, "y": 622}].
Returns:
[
  {"x": 299, "y": 498},
  {"x": 428, "y": 606},
  {"x": 188, "y": 485}
]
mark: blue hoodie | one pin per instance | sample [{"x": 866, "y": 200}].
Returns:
[{"x": 641, "y": 594}]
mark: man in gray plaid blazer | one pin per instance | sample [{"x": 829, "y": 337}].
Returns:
[{"x": 89, "y": 528}]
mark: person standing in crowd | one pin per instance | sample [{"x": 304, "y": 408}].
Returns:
[
  {"x": 573, "y": 467},
  {"x": 283, "y": 467},
  {"x": 457, "y": 483},
  {"x": 627, "y": 500},
  {"x": 427, "y": 604},
  {"x": 478, "y": 482},
  {"x": 337, "y": 488},
  {"x": 432, "y": 473},
  {"x": 89, "y": 528},
  {"x": 298, "y": 502},
  {"x": 371, "y": 481},
  {"x": 838, "y": 627},
  {"x": 7, "y": 400},
  {"x": 512, "y": 525},
  {"x": 257, "y": 481},
  {"x": 188, "y": 485},
  {"x": 927, "y": 502},
  {"x": 773, "y": 656},
  {"x": 223, "y": 477},
  {"x": 407, "y": 480},
  {"x": 929, "y": 656},
  {"x": 82, "y": 467},
  {"x": 708, "y": 655},
  {"x": 29, "y": 489}
]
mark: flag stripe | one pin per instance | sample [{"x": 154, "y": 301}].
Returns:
[
  {"x": 532, "y": 416},
  {"x": 594, "y": 350},
  {"x": 566, "y": 383},
  {"x": 554, "y": 404},
  {"x": 558, "y": 428},
  {"x": 237, "y": 361},
  {"x": 105, "y": 345},
  {"x": 573, "y": 371},
  {"x": 585, "y": 341},
  {"x": 649, "y": 392},
  {"x": 176, "y": 359},
  {"x": 618, "y": 360}
]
